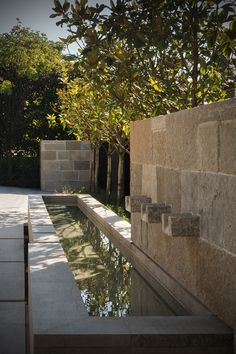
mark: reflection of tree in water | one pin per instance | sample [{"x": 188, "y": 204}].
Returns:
[{"x": 102, "y": 273}]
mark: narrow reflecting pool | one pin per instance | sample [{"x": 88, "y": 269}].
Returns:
[{"x": 109, "y": 285}]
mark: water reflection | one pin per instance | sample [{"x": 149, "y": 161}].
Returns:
[{"x": 108, "y": 283}]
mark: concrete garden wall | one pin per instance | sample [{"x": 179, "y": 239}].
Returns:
[
  {"x": 188, "y": 161},
  {"x": 64, "y": 165}
]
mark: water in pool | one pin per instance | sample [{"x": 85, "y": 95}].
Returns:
[{"x": 109, "y": 285}]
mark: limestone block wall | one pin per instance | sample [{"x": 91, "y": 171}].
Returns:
[
  {"x": 188, "y": 160},
  {"x": 64, "y": 165}
]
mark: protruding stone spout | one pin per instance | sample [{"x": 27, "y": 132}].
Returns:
[
  {"x": 181, "y": 225},
  {"x": 151, "y": 212},
  {"x": 133, "y": 202}
]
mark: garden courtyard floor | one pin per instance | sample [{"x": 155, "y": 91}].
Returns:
[{"x": 13, "y": 214}]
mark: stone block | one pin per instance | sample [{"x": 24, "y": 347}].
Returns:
[
  {"x": 211, "y": 191},
  {"x": 73, "y": 145},
  {"x": 160, "y": 184},
  {"x": 208, "y": 146},
  {"x": 69, "y": 175},
  {"x": 136, "y": 229},
  {"x": 181, "y": 140},
  {"x": 136, "y": 171},
  {"x": 181, "y": 225},
  {"x": 48, "y": 155},
  {"x": 84, "y": 176},
  {"x": 66, "y": 165},
  {"x": 43, "y": 228},
  {"x": 12, "y": 281},
  {"x": 85, "y": 145},
  {"x": 159, "y": 141},
  {"x": 86, "y": 155},
  {"x": 141, "y": 142},
  {"x": 51, "y": 175},
  {"x": 149, "y": 181},
  {"x": 227, "y": 147},
  {"x": 189, "y": 191},
  {"x": 55, "y": 145},
  {"x": 12, "y": 328},
  {"x": 76, "y": 155},
  {"x": 55, "y": 300},
  {"x": 49, "y": 237},
  {"x": 133, "y": 203},
  {"x": 216, "y": 281},
  {"x": 50, "y": 186},
  {"x": 50, "y": 165},
  {"x": 11, "y": 231},
  {"x": 11, "y": 250},
  {"x": 64, "y": 199},
  {"x": 63, "y": 155},
  {"x": 151, "y": 212},
  {"x": 144, "y": 237},
  {"x": 169, "y": 187},
  {"x": 81, "y": 165}
]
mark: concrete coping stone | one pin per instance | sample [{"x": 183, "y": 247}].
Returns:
[
  {"x": 55, "y": 297},
  {"x": 107, "y": 216},
  {"x": 151, "y": 212},
  {"x": 39, "y": 228},
  {"x": 181, "y": 225},
  {"x": 60, "y": 199},
  {"x": 133, "y": 202}
]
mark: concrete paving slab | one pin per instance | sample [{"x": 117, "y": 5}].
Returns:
[
  {"x": 43, "y": 228},
  {"x": 11, "y": 231},
  {"x": 12, "y": 281},
  {"x": 54, "y": 295},
  {"x": 44, "y": 237},
  {"x": 12, "y": 250},
  {"x": 12, "y": 328}
]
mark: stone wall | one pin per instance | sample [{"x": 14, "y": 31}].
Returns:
[
  {"x": 187, "y": 160},
  {"x": 64, "y": 165}
]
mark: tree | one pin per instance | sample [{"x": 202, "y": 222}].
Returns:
[
  {"x": 190, "y": 46},
  {"x": 158, "y": 56},
  {"x": 184, "y": 49},
  {"x": 30, "y": 65}
]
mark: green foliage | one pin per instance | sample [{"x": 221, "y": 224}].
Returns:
[
  {"x": 30, "y": 66},
  {"x": 25, "y": 172},
  {"x": 176, "y": 53},
  {"x": 6, "y": 87},
  {"x": 140, "y": 58}
]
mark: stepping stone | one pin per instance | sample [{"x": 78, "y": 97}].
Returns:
[
  {"x": 11, "y": 250},
  {"x": 12, "y": 280},
  {"x": 12, "y": 327}
]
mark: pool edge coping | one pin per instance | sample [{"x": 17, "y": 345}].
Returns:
[{"x": 191, "y": 329}]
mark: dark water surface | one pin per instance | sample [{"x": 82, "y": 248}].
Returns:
[{"x": 109, "y": 285}]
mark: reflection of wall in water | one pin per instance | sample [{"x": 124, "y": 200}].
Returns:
[{"x": 144, "y": 301}]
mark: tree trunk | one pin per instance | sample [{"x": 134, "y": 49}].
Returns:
[
  {"x": 92, "y": 177},
  {"x": 96, "y": 169},
  {"x": 108, "y": 181},
  {"x": 120, "y": 183}
]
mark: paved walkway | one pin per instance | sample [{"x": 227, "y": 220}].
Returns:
[{"x": 13, "y": 214}]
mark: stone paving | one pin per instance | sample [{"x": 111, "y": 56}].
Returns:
[{"x": 13, "y": 214}]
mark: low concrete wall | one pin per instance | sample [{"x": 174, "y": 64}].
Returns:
[
  {"x": 188, "y": 161},
  {"x": 64, "y": 165}
]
